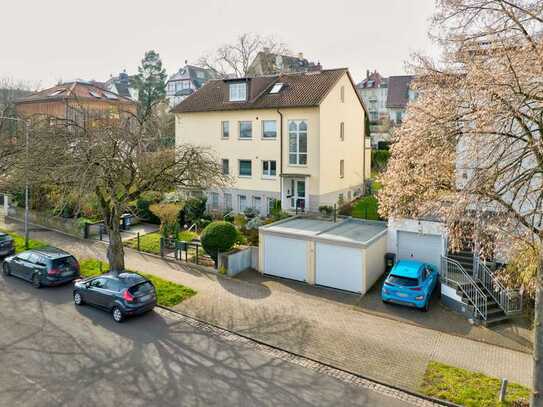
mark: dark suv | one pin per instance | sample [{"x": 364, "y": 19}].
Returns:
[
  {"x": 7, "y": 246},
  {"x": 122, "y": 294},
  {"x": 42, "y": 267}
]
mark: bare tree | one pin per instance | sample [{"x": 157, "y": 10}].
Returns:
[
  {"x": 471, "y": 148},
  {"x": 115, "y": 159},
  {"x": 234, "y": 60}
]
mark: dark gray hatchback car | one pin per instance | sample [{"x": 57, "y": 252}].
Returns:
[
  {"x": 42, "y": 267},
  {"x": 7, "y": 246},
  {"x": 123, "y": 294}
]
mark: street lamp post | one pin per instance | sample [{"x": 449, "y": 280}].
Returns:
[{"x": 27, "y": 139}]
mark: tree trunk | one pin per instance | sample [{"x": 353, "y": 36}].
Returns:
[
  {"x": 537, "y": 383},
  {"x": 115, "y": 250}
]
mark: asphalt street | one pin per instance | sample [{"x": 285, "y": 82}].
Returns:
[{"x": 53, "y": 353}]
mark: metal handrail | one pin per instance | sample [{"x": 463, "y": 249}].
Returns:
[
  {"x": 509, "y": 300},
  {"x": 453, "y": 272}
]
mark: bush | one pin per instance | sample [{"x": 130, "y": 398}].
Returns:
[
  {"x": 240, "y": 220},
  {"x": 379, "y": 159},
  {"x": 326, "y": 210},
  {"x": 276, "y": 212},
  {"x": 168, "y": 213},
  {"x": 218, "y": 237},
  {"x": 250, "y": 213},
  {"x": 142, "y": 206},
  {"x": 193, "y": 211}
]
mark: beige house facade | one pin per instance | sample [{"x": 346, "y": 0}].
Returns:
[{"x": 297, "y": 138}]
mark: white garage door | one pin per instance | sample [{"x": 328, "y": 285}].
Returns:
[
  {"x": 339, "y": 267},
  {"x": 284, "y": 257},
  {"x": 426, "y": 248}
]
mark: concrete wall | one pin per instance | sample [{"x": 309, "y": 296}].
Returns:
[
  {"x": 415, "y": 226},
  {"x": 238, "y": 261},
  {"x": 375, "y": 261}
]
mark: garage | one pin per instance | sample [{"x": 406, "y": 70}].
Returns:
[
  {"x": 346, "y": 275},
  {"x": 346, "y": 255},
  {"x": 293, "y": 266},
  {"x": 422, "y": 247}
]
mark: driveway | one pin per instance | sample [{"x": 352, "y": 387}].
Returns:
[
  {"x": 55, "y": 354},
  {"x": 318, "y": 323}
]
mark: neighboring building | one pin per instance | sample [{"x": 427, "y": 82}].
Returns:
[
  {"x": 122, "y": 85},
  {"x": 185, "y": 82},
  {"x": 74, "y": 100},
  {"x": 297, "y": 138},
  {"x": 386, "y": 100},
  {"x": 268, "y": 63}
]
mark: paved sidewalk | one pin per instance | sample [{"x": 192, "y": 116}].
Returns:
[{"x": 321, "y": 328}]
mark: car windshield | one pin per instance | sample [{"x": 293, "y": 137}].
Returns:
[
  {"x": 64, "y": 262},
  {"x": 141, "y": 289},
  {"x": 404, "y": 281}
]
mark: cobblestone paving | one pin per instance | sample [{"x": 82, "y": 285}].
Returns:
[{"x": 319, "y": 327}]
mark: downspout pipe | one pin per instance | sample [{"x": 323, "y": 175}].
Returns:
[{"x": 280, "y": 156}]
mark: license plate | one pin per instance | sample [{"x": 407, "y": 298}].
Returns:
[
  {"x": 66, "y": 273},
  {"x": 145, "y": 298},
  {"x": 403, "y": 295}
]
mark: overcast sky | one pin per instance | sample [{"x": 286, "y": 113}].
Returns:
[{"x": 44, "y": 41}]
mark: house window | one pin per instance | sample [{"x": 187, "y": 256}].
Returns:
[
  {"x": 341, "y": 168},
  {"x": 257, "y": 203},
  {"x": 245, "y": 130},
  {"x": 297, "y": 142},
  {"x": 225, "y": 166},
  {"x": 214, "y": 198},
  {"x": 398, "y": 117},
  {"x": 342, "y": 131},
  {"x": 228, "y": 202},
  {"x": 342, "y": 94},
  {"x": 238, "y": 92},
  {"x": 225, "y": 129},
  {"x": 373, "y": 116},
  {"x": 269, "y": 129},
  {"x": 269, "y": 168},
  {"x": 171, "y": 87},
  {"x": 242, "y": 202},
  {"x": 245, "y": 169}
]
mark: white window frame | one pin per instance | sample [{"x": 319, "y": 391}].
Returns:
[
  {"x": 255, "y": 206},
  {"x": 239, "y": 129},
  {"x": 227, "y": 128},
  {"x": 228, "y": 200},
  {"x": 239, "y": 169},
  {"x": 237, "y": 92},
  {"x": 214, "y": 200},
  {"x": 239, "y": 202},
  {"x": 297, "y": 133},
  {"x": 263, "y": 129},
  {"x": 267, "y": 173}
]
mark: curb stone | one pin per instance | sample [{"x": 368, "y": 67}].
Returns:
[{"x": 399, "y": 393}]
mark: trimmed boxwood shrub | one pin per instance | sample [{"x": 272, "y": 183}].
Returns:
[{"x": 218, "y": 237}]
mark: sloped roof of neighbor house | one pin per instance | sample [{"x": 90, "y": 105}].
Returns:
[{"x": 398, "y": 91}]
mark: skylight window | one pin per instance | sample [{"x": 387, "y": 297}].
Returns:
[
  {"x": 111, "y": 96},
  {"x": 277, "y": 88},
  {"x": 57, "y": 92},
  {"x": 94, "y": 94}
]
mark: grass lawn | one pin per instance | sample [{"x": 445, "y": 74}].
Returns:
[
  {"x": 468, "y": 388},
  {"x": 366, "y": 208},
  {"x": 150, "y": 242},
  {"x": 20, "y": 242},
  {"x": 168, "y": 293}
]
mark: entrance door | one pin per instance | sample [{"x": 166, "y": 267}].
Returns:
[{"x": 296, "y": 193}]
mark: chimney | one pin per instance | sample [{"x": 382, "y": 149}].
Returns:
[
  {"x": 186, "y": 61},
  {"x": 266, "y": 50},
  {"x": 367, "y": 73},
  {"x": 300, "y": 55}
]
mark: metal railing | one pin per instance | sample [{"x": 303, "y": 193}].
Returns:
[
  {"x": 452, "y": 273},
  {"x": 509, "y": 300}
]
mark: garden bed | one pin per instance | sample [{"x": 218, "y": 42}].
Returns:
[
  {"x": 467, "y": 388},
  {"x": 150, "y": 243},
  {"x": 169, "y": 294}
]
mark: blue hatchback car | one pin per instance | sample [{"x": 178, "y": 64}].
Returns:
[{"x": 411, "y": 283}]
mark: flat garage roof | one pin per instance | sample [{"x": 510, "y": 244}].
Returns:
[{"x": 347, "y": 230}]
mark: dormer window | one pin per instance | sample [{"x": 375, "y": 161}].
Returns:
[{"x": 238, "y": 92}]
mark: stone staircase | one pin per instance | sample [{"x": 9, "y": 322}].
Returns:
[{"x": 494, "y": 313}]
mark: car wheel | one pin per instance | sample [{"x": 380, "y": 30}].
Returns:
[
  {"x": 36, "y": 281},
  {"x": 78, "y": 299},
  {"x": 5, "y": 269},
  {"x": 117, "y": 314}
]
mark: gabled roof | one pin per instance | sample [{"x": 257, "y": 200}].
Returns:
[
  {"x": 75, "y": 90},
  {"x": 191, "y": 72},
  {"x": 373, "y": 80},
  {"x": 398, "y": 91},
  {"x": 299, "y": 90}
]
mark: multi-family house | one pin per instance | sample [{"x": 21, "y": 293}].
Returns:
[
  {"x": 74, "y": 101},
  {"x": 386, "y": 100},
  {"x": 185, "y": 82},
  {"x": 122, "y": 84},
  {"x": 270, "y": 63},
  {"x": 297, "y": 138}
]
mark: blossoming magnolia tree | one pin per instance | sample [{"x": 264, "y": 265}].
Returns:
[{"x": 470, "y": 150}]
